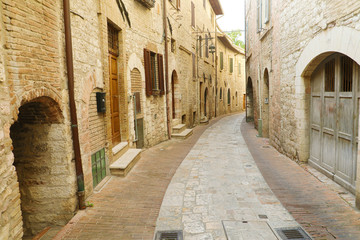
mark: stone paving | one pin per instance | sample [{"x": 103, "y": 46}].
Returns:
[
  {"x": 127, "y": 208},
  {"x": 218, "y": 192},
  {"x": 324, "y": 209}
]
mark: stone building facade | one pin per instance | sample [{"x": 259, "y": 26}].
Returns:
[
  {"x": 302, "y": 65},
  {"x": 128, "y": 94}
]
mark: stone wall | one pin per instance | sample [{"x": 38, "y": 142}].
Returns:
[{"x": 298, "y": 37}]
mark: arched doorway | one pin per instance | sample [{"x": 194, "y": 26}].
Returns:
[
  {"x": 249, "y": 101},
  {"x": 205, "y": 102},
  {"x": 175, "y": 94},
  {"x": 43, "y": 161},
  {"x": 334, "y": 118},
  {"x": 266, "y": 103}
]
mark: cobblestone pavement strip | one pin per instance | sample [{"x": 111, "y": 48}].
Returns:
[
  {"x": 218, "y": 192},
  {"x": 127, "y": 208},
  {"x": 322, "y": 207}
]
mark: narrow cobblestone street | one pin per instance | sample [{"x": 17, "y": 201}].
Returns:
[{"x": 210, "y": 187}]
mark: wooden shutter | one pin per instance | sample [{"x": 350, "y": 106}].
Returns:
[
  {"x": 193, "y": 65},
  {"x": 138, "y": 103},
  {"x": 161, "y": 73},
  {"x": 192, "y": 14},
  {"x": 147, "y": 72},
  {"x": 221, "y": 61}
]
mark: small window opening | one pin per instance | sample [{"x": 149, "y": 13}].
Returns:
[
  {"x": 330, "y": 76},
  {"x": 346, "y": 74}
]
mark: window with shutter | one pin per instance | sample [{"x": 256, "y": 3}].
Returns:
[
  {"x": 193, "y": 65},
  {"x": 154, "y": 73},
  {"x": 221, "y": 60},
  {"x": 206, "y": 46},
  {"x": 200, "y": 46}
]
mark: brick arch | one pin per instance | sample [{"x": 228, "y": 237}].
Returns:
[
  {"x": 342, "y": 40},
  {"x": 134, "y": 62},
  {"x": 39, "y": 93}
]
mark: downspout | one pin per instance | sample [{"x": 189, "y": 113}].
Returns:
[
  {"x": 216, "y": 70},
  {"x": 166, "y": 71},
  {"x": 73, "y": 117}
]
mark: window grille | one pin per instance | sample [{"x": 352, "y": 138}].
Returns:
[
  {"x": 346, "y": 74},
  {"x": 113, "y": 40},
  {"x": 98, "y": 165},
  {"x": 330, "y": 76}
]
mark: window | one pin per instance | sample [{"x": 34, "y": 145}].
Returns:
[
  {"x": 193, "y": 65},
  {"x": 259, "y": 15},
  {"x": 221, "y": 60},
  {"x": 206, "y": 46},
  {"x": 113, "y": 41},
  {"x": 154, "y": 74},
  {"x": 173, "y": 45},
  {"x": 98, "y": 165},
  {"x": 231, "y": 61},
  {"x": 178, "y": 4},
  {"x": 220, "y": 97},
  {"x": 330, "y": 76},
  {"x": 229, "y": 96},
  {"x": 267, "y": 11},
  {"x": 346, "y": 74},
  {"x": 204, "y": 3},
  {"x": 236, "y": 98},
  {"x": 200, "y": 46},
  {"x": 192, "y": 14},
  {"x": 239, "y": 68}
]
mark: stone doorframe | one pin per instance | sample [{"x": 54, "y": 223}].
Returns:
[{"x": 342, "y": 40}]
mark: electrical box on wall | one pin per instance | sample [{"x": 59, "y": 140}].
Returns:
[{"x": 100, "y": 102}]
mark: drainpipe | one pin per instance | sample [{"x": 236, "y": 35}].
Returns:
[
  {"x": 166, "y": 71},
  {"x": 73, "y": 117}
]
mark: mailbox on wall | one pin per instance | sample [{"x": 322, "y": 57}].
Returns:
[{"x": 100, "y": 102}]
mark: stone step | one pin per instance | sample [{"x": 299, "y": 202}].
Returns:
[
  {"x": 179, "y": 128},
  {"x": 119, "y": 149},
  {"x": 122, "y": 166},
  {"x": 183, "y": 135},
  {"x": 204, "y": 121}
]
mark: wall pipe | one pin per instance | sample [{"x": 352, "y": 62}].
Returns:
[
  {"x": 166, "y": 70},
  {"x": 73, "y": 116}
]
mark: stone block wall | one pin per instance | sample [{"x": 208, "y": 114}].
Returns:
[{"x": 280, "y": 47}]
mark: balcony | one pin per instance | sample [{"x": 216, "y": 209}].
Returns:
[{"x": 147, "y": 3}]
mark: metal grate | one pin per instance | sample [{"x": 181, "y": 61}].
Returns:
[
  {"x": 293, "y": 234},
  {"x": 169, "y": 235}
]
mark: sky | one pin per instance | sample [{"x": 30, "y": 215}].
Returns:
[{"x": 233, "y": 18}]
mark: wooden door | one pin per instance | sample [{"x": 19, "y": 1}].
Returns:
[
  {"x": 114, "y": 99},
  {"x": 173, "y": 96},
  {"x": 334, "y": 117}
]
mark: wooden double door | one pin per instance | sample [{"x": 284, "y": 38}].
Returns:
[{"x": 334, "y": 119}]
